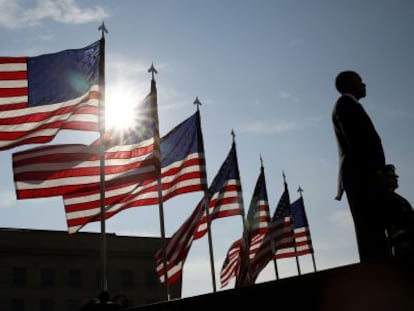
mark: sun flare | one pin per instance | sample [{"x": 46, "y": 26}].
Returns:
[{"x": 119, "y": 110}]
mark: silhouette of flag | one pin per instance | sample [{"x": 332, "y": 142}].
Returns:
[
  {"x": 278, "y": 241},
  {"x": 224, "y": 199},
  {"x": 130, "y": 156},
  {"x": 301, "y": 230},
  {"x": 41, "y": 95},
  {"x": 182, "y": 171},
  {"x": 224, "y": 194}
]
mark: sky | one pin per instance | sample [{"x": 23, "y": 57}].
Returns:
[{"x": 264, "y": 69}]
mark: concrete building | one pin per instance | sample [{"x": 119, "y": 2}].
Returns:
[{"x": 44, "y": 270}]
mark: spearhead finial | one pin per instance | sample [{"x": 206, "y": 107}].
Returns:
[
  {"x": 197, "y": 103},
  {"x": 300, "y": 190},
  {"x": 233, "y": 135},
  {"x": 103, "y": 29},
  {"x": 152, "y": 70}
]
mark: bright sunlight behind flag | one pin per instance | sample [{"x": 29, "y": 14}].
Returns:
[
  {"x": 130, "y": 156},
  {"x": 182, "y": 171},
  {"x": 41, "y": 95}
]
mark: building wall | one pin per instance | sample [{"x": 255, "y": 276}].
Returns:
[{"x": 51, "y": 270}]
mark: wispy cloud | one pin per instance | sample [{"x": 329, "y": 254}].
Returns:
[
  {"x": 21, "y": 13},
  {"x": 341, "y": 217},
  {"x": 278, "y": 126},
  {"x": 285, "y": 96}
]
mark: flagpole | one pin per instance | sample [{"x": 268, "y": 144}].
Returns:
[
  {"x": 104, "y": 284},
  {"x": 207, "y": 210},
  {"x": 300, "y": 190},
  {"x": 153, "y": 71},
  {"x": 293, "y": 232},
  {"x": 244, "y": 237}
]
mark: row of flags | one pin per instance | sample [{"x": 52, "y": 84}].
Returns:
[{"x": 39, "y": 96}]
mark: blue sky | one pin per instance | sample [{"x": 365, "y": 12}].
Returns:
[{"x": 262, "y": 68}]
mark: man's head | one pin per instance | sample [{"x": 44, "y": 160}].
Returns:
[
  {"x": 392, "y": 177},
  {"x": 351, "y": 83}
]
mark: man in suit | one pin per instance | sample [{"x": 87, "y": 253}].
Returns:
[
  {"x": 400, "y": 220},
  {"x": 362, "y": 163}
]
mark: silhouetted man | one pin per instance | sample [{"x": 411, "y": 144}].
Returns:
[
  {"x": 362, "y": 163},
  {"x": 400, "y": 220}
]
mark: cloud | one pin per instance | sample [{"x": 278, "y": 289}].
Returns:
[
  {"x": 288, "y": 97},
  {"x": 18, "y": 14},
  {"x": 268, "y": 127},
  {"x": 278, "y": 126},
  {"x": 341, "y": 217}
]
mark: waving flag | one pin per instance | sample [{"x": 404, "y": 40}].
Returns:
[
  {"x": 177, "y": 248},
  {"x": 231, "y": 264},
  {"x": 182, "y": 171},
  {"x": 130, "y": 156},
  {"x": 278, "y": 241},
  {"x": 224, "y": 194},
  {"x": 301, "y": 228},
  {"x": 258, "y": 216},
  {"x": 224, "y": 198},
  {"x": 257, "y": 224},
  {"x": 41, "y": 95}
]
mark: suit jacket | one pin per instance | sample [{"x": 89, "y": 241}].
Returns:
[{"x": 359, "y": 146}]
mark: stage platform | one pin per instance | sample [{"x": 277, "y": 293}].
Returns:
[{"x": 355, "y": 287}]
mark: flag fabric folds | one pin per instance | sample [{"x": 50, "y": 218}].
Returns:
[
  {"x": 258, "y": 216},
  {"x": 278, "y": 241},
  {"x": 41, "y": 95},
  {"x": 130, "y": 156},
  {"x": 301, "y": 230},
  {"x": 257, "y": 224},
  {"x": 224, "y": 194},
  {"x": 224, "y": 199},
  {"x": 182, "y": 171},
  {"x": 231, "y": 265},
  {"x": 177, "y": 248}
]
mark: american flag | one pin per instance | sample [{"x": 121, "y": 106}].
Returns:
[
  {"x": 231, "y": 265},
  {"x": 257, "y": 224},
  {"x": 182, "y": 171},
  {"x": 301, "y": 230},
  {"x": 41, "y": 95},
  {"x": 177, "y": 248},
  {"x": 224, "y": 198},
  {"x": 258, "y": 216},
  {"x": 224, "y": 194},
  {"x": 278, "y": 241},
  {"x": 54, "y": 170}
]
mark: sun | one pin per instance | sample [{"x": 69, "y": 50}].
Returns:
[{"x": 119, "y": 109}]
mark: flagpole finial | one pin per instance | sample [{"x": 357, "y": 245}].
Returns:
[
  {"x": 197, "y": 103},
  {"x": 152, "y": 70},
  {"x": 103, "y": 29},
  {"x": 233, "y": 135}
]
